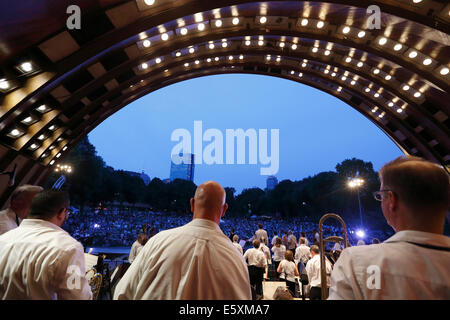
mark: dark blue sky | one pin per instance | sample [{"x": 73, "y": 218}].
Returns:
[{"x": 317, "y": 131}]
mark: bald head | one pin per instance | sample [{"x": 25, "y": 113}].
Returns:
[{"x": 209, "y": 201}]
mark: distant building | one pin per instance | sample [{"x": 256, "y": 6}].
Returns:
[
  {"x": 272, "y": 182},
  {"x": 166, "y": 181},
  {"x": 142, "y": 175},
  {"x": 184, "y": 170}
]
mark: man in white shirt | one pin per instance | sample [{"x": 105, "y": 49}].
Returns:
[
  {"x": 256, "y": 266},
  {"x": 195, "y": 261},
  {"x": 274, "y": 239},
  {"x": 236, "y": 243},
  {"x": 39, "y": 260},
  {"x": 313, "y": 271},
  {"x": 20, "y": 201},
  {"x": 413, "y": 263},
  {"x": 292, "y": 242},
  {"x": 302, "y": 253},
  {"x": 261, "y": 233}
]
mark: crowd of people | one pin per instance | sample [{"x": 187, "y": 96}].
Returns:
[{"x": 183, "y": 257}]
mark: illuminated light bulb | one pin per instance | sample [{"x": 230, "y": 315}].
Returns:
[
  {"x": 211, "y": 45},
  {"x": 144, "y": 66},
  {"x": 391, "y": 104},
  {"x": 27, "y": 119},
  {"x": 178, "y": 54},
  {"x": 208, "y": 60},
  {"x": 382, "y": 41},
  {"x": 427, "y": 61},
  {"x": 282, "y": 44},
  {"x": 399, "y": 110},
  {"x": 388, "y": 77},
  {"x": 360, "y": 64},
  {"x": 235, "y": 21},
  {"x": 26, "y": 67},
  {"x": 361, "y": 34},
  {"x": 262, "y": 20},
  {"x": 376, "y": 71},
  {"x": 398, "y": 47},
  {"x": 326, "y": 71},
  {"x": 278, "y": 59},
  {"x": 333, "y": 74},
  {"x": 304, "y": 22},
  {"x": 248, "y": 42},
  {"x": 201, "y": 27},
  {"x": 52, "y": 127},
  {"x": 224, "y": 44},
  {"x": 376, "y": 95},
  {"x": 52, "y": 162},
  {"x": 353, "y": 82},
  {"x": 315, "y": 49},
  {"x": 346, "y": 30},
  {"x": 300, "y": 74},
  {"x": 292, "y": 71},
  {"x": 344, "y": 78},
  {"x": 191, "y": 50},
  {"x": 339, "y": 89},
  {"x": 304, "y": 64},
  {"x": 294, "y": 46},
  {"x": 218, "y": 23},
  {"x": 405, "y": 87},
  {"x": 348, "y": 59},
  {"x": 146, "y": 43},
  {"x": 15, "y": 132},
  {"x": 4, "y": 84},
  {"x": 186, "y": 64},
  {"x": 216, "y": 59},
  {"x": 184, "y": 31},
  {"x": 320, "y": 24},
  {"x": 327, "y": 52},
  {"x": 33, "y": 146},
  {"x": 417, "y": 1},
  {"x": 412, "y": 54},
  {"x": 41, "y": 137},
  {"x": 444, "y": 71},
  {"x": 241, "y": 57},
  {"x": 417, "y": 94},
  {"x": 65, "y": 148},
  {"x": 260, "y": 42},
  {"x": 268, "y": 58},
  {"x": 149, "y": 2},
  {"x": 230, "y": 58},
  {"x": 367, "y": 90},
  {"x": 197, "y": 61},
  {"x": 158, "y": 60},
  {"x": 164, "y": 37}
]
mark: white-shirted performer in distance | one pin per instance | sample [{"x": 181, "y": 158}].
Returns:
[
  {"x": 20, "y": 201},
  {"x": 137, "y": 246},
  {"x": 195, "y": 261},
  {"x": 414, "y": 263},
  {"x": 39, "y": 260}
]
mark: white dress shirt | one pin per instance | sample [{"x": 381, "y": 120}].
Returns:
[
  {"x": 407, "y": 271},
  {"x": 135, "y": 249},
  {"x": 302, "y": 253},
  {"x": 292, "y": 242},
  {"x": 274, "y": 239},
  {"x": 41, "y": 261},
  {"x": 255, "y": 257},
  {"x": 7, "y": 220},
  {"x": 261, "y": 233},
  {"x": 278, "y": 252},
  {"x": 313, "y": 271},
  {"x": 195, "y": 261},
  {"x": 265, "y": 249},
  {"x": 238, "y": 246},
  {"x": 287, "y": 270}
]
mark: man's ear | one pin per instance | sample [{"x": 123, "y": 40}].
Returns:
[
  {"x": 192, "y": 205},
  {"x": 61, "y": 214},
  {"x": 225, "y": 207},
  {"x": 393, "y": 201}
]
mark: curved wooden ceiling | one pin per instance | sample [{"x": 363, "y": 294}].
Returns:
[{"x": 396, "y": 76}]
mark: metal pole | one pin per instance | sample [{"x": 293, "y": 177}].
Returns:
[{"x": 360, "y": 211}]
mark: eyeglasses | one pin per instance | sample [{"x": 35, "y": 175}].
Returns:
[{"x": 378, "y": 194}]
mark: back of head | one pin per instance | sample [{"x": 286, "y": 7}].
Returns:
[
  {"x": 142, "y": 238},
  {"x": 302, "y": 240},
  {"x": 420, "y": 185},
  {"x": 278, "y": 242},
  {"x": 256, "y": 243},
  {"x": 209, "y": 201},
  {"x": 23, "y": 191},
  {"x": 260, "y": 226},
  {"x": 235, "y": 238},
  {"x": 290, "y": 232},
  {"x": 375, "y": 241},
  {"x": 288, "y": 255},
  {"x": 315, "y": 249},
  {"x": 48, "y": 203}
]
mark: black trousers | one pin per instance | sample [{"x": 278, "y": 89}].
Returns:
[
  {"x": 256, "y": 278},
  {"x": 291, "y": 287},
  {"x": 316, "y": 293}
]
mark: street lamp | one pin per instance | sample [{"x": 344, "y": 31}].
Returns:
[
  {"x": 357, "y": 183},
  {"x": 63, "y": 169}
]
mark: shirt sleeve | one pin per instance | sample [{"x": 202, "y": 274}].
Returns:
[
  {"x": 340, "y": 285},
  {"x": 72, "y": 283}
]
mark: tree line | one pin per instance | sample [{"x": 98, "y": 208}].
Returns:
[{"x": 93, "y": 182}]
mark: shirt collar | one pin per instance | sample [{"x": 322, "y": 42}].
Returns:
[
  {"x": 204, "y": 223},
  {"x": 420, "y": 237},
  {"x": 39, "y": 223}
]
